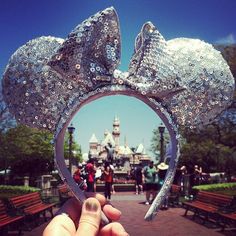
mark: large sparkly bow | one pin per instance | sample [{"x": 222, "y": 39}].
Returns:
[{"x": 46, "y": 76}]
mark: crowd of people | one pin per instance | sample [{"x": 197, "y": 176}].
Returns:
[
  {"x": 86, "y": 176},
  {"x": 188, "y": 176},
  {"x": 149, "y": 178}
]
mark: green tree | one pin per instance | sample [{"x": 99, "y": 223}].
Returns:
[
  {"x": 214, "y": 147},
  {"x": 29, "y": 151}
]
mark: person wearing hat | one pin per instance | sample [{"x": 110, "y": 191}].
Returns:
[
  {"x": 162, "y": 169},
  {"x": 151, "y": 181}
]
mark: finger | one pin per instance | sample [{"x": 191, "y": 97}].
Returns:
[
  {"x": 98, "y": 196},
  {"x": 113, "y": 229},
  {"x": 72, "y": 208},
  {"x": 111, "y": 212},
  {"x": 60, "y": 225},
  {"x": 90, "y": 218}
]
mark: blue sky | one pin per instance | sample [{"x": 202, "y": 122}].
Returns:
[{"x": 210, "y": 20}]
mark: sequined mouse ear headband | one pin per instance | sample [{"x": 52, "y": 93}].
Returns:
[{"x": 47, "y": 80}]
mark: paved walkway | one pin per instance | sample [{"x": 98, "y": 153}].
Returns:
[{"x": 167, "y": 223}]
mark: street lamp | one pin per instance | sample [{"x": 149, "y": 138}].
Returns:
[
  {"x": 71, "y": 130},
  {"x": 161, "y": 129}
]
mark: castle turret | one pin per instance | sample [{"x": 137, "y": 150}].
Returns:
[{"x": 93, "y": 146}]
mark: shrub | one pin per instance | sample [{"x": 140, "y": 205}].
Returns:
[
  {"x": 10, "y": 191},
  {"x": 216, "y": 187}
]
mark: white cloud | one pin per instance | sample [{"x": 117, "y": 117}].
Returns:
[{"x": 229, "y": 39}]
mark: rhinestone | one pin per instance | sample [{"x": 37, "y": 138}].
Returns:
[{"x": 77, "y": 66}]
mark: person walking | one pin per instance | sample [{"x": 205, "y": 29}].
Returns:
[
  {"x": 138, "y": 175},
  {"x": 91, "y": 170},
  {"x": 108, "y": 180},
  {"x": 162, "y": 170},
  {"x": 151, "y": 181},
  {"x": 197, "y": 175}
]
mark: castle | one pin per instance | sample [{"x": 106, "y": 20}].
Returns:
[{"x": 124, "y": 156}]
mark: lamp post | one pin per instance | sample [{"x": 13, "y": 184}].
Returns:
[
  {"x": 71, "y": 130},
  {"x": 157, "y": 153},
  {"x": 161, "y": 129}
]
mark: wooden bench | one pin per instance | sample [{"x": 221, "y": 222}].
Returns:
[
  {"x": 207, "y": 204},
  {"x": 6, "y": 220},
  {"x": 227, "y": 219},
  {"x": 31, "y": 205},
  {"x": 64, "y": 193},
  {"x": 174, "y": 195}
]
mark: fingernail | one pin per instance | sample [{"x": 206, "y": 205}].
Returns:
[{"x": 91, "y": 206}]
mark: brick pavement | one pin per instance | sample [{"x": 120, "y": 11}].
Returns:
[{"x": 167, "y": 223}]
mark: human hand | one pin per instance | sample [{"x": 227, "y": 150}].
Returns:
[{"x": 76, "y": 220}]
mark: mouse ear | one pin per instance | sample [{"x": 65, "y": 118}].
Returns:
[
  {"x": 30, "y": 87},
  {"x": 45, "y": 76},
  {"x": 91, "y": 52},
  {"x": 207, "y": 78}
]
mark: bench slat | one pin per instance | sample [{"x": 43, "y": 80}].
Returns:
[
  {"x": 208, "y": 203},
  {"x": 31, "y": 203},
  {"x": 6, "y": 219}
]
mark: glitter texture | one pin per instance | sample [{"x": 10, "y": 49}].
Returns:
[{"x": 47, "y": 76}]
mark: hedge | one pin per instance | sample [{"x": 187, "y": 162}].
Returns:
[
  {"x": 216, "y": 187},
  {"x": 8, "y": 190}
]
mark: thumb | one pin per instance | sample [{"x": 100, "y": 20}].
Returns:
[{"x": 90, "y": 218}]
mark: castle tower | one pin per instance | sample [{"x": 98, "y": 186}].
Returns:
[
  {"x": 116, "y": 133},
  {"x": 93, "y": 146}
]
